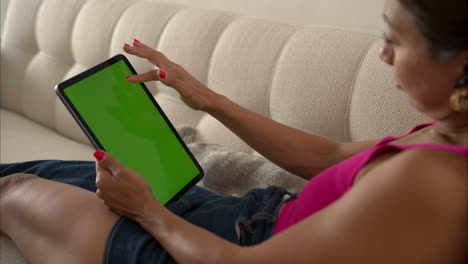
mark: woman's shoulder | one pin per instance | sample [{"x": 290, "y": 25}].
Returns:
[
  {"x": 440, "y": 174},
  {"x": 429, "y": 180},
  {"x": 427, "y": 158}
]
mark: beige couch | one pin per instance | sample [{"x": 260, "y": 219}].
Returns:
[{"x": 327, "y": 81}]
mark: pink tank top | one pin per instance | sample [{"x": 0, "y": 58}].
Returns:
[{"x": 331, "y": 184}]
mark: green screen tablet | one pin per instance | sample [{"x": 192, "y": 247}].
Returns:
[{"x": 124, "y": 120}]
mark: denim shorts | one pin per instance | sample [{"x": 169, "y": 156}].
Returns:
[{"x": 246, "y": 220}]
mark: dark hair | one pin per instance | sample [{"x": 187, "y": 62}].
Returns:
[{"x": 443, "y": 23}]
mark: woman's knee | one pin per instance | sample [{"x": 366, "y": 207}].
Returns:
[
  {"x": 8, "y": 185},
  {"x": 15, "y": 180},
  {"x": 11, "y": 186}
]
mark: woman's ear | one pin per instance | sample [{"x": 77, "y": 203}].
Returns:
[
  {"x": 463, "y": 80},
  {"x": 463, "y": 70}
]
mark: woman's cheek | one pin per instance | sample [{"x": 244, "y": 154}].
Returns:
[{"x": 407, "y": 70}]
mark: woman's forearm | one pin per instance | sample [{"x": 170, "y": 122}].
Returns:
[
  {"x": 188, "y": 243},
  {"x": 296, "y": 151}
]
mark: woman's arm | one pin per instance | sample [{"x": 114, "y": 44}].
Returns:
[
  {"x": 296, "y": 151},
  {"x": 402, "y": 211},
  {"x": 300, "y": 153}
]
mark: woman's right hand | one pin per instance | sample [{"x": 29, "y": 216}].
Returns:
[{"x": 194, "y": 93}]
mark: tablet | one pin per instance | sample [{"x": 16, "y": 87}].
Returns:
[{"x": 125, "y": 120}]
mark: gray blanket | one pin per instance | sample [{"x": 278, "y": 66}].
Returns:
[{"x": 234, "y": 173}]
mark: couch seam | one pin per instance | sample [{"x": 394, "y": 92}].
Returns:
[
  {"x": 55, "y": 125},
  {"x": 72, "y": 32},
  {"x": 38, "y": 50},
  {"x": 130, "y": 5},
  {"x": 234, "y": 18},
  {"x": 75, "y": 61},
  {"x": 352, "y": 90},
  {"x": 177, "y": 10},
  {"x": 275, "y": 67},
  {"x": 36, "y": 20}
]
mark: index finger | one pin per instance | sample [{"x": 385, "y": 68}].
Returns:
[
  {"x": 152, "y": 75},
  {"x": 143, "y": 51}
]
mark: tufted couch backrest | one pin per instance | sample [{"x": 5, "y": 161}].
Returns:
[{"x": 322, "y": 80}]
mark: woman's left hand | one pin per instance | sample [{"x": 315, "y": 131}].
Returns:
[{"x": 123, "y": 190}]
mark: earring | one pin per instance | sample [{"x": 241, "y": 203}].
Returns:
[{"x": 459, "y": 100}]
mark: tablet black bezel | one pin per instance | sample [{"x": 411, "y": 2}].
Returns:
[{"x": 59, "y": 89}]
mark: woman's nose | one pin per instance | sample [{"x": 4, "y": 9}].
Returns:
[{"x": 386, "y": 55}]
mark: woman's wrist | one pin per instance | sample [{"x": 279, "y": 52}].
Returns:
[
  {"x": 217, "y": 104},
  {"x": 152, "y": 215}
]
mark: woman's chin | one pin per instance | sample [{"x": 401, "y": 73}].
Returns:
[{"x": 415, "y": 105}]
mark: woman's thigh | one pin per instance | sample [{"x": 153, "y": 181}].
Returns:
[
  {"x": 52, "y": 222},
  {"x": 49, "y": 218}
]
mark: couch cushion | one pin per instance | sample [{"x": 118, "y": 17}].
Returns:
[
  {"x": 9, "y": 253},
  {"x": 22, "y": 139}
]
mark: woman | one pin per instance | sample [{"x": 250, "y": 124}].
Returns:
[{"x": 395, "y": 200}]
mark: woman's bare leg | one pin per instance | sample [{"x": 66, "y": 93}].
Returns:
[{"x": 52, "y": 222}]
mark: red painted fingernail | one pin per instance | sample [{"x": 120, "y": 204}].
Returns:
[
  {"x": 136, "y": 40},
  {"x": 126, "y": 45},
  {"x": 99, "y": 155},
  {"x": 162, "y": 74},
  {"x": 128, "y": 77}
]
